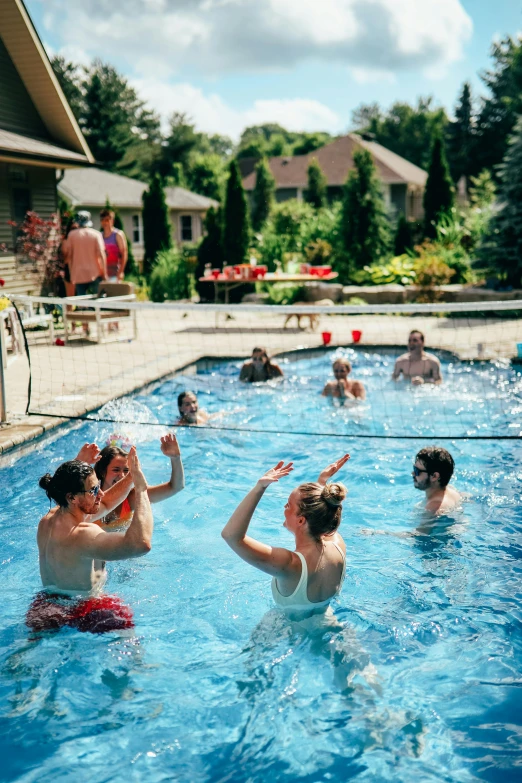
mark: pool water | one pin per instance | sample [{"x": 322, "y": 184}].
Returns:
[{"x": 418, "y": 678}]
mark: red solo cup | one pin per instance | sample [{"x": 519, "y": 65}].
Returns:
[
  {"x": 59, "y": 341},
  {"x": 216, "y": 273},
  {"x": 356, "y": 335},
  {"x": 327, "y": 338}
]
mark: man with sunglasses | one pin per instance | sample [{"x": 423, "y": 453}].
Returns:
[
  {"x": 417, "y": 366},
  {"x": 73, "y": 550},
  {"x": 432, "y": 470}
]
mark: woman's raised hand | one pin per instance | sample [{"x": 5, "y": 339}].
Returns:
[
  {"x": 274, "y": 474},
  {"x": 332, "y": 469}
]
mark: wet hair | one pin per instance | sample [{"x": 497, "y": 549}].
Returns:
[
  {"x": 321, "y": 506},
  {"x": 69, "y": 479},
  {"x": 437, "y": 460},
  {"x": 182, "y": 396},
  {"x": 107, "y": 213},
  {"x": 345, "y": 362},
  {"x": 417, "y": 331},
  {"x": 269, "y": 367},
  {"x": 107, "y": 454}
]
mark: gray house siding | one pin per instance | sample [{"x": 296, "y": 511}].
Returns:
[
  {"x": 23, "y": 188},
  {"x": 398, "y": 199},
  {"x": 6, "y": 232},
  {"x": 17, "y": 111},
  {"x": 42, "y": 183}
]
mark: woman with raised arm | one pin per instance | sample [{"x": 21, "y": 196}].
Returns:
[{"x": 305, "y": 580}]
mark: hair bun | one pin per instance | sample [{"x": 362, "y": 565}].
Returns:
[
  {"x": 334, "y": 493},
  {"x": 45, "y": 481}
]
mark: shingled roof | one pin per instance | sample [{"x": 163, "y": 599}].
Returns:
[
  {"x": 92, "y": 187},
  {"x": 336, "y": 160}
]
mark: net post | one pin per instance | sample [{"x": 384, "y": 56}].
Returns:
[{"x": 3, "y": 364}]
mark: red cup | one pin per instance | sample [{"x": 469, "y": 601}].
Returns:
[
  {"x": 356, "y": 335},
  {"x": 327, "y": 338},
  {"x": 59, "y": 341},
  {"x": 216, "y": 273}
]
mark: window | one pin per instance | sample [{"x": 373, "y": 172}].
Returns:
[
  {"x": 186, "y": 228},
  {"x": 137, "y": 230}
]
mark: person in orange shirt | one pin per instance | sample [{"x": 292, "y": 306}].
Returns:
[{"x": 84, "y": 254}]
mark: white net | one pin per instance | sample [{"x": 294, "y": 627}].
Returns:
[{"x": 147, "y": 354}]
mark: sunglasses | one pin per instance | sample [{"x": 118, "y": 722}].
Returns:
[
  {"x": 93, "y": 491},
  {"x": 417, "y": 471},
  {"x": 341, "y": 371}
]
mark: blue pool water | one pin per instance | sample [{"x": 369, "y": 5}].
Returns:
[{"x": 420, "y": 678}]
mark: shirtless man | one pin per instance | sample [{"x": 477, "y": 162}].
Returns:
[
  {"x": 417, "y": 366},
  {"x": 188, "y": 407},
  {"x": 343, "y": 388},
  {"x": 432, "y": 471},
  {"x": 73, "y": 550}
]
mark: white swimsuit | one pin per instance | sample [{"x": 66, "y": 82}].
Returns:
[{"x": 298, "y": 600}]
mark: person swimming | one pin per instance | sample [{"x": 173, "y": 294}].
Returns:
[
  {"x": 260, "y": 368},
  {"x": 417, "y": 366},
  {"x": 189, "y": 411},
  {"x": 432, "y": 470},
  {"x": 73, "y": 550},
  {"x": 113, "y": 465},
  {"x": 304, "y": 581},
  {"x": 343, "y": 388}
]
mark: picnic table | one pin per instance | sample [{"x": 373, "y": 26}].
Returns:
[{"x": 228, "y": 283}]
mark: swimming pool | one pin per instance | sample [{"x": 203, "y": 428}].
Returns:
[{"x": 420, "y": 681}]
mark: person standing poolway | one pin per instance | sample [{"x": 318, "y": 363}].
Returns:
[
  {"x": 116, "y": 248},
  {"x": 304, "y": 581},
  {"x": 260, "y": 369},
  {"x": 343, "y": 388},
  {"x": 432, "y": 471},
  {"x": 84, "y": 254},
  {"x": 416, "y": 365},
  {"x": 73, "y": 550}
]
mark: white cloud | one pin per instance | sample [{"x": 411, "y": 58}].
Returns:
[
  {"x": 211, "y": 114},
  {"x": 216, "y": 36},
  {"x": 372, "y": 76}
]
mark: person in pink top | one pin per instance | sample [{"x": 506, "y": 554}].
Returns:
[
  {"x": 84, "y": 253},
  {"x": 115, "y": 246}
]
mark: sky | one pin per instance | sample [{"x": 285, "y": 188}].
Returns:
[{"x": 306, "y": 64}]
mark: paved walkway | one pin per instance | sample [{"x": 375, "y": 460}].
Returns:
[{"x": 78, "y": 378}]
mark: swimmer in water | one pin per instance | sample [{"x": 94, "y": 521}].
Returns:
[
  {"x": 260, "y": 368},
  {"x": 73, "y": 550},
  {"x": 112, "y": 466},
  {"x": 432, "y": 470},
  {"x": 305, "y": 580},
  {"x": 417, "y": 366},
  {"x": 189, "y": 411},
  {"x": 343, "y": 388}
]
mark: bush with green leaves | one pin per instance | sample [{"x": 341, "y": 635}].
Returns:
[
  {"x": 281, "y": 293},
  {"x": 399, "y": 270},
  {"x": 172, "y": 276}
]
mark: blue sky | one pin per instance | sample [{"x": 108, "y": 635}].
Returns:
[{"x": 303, "y": 63}]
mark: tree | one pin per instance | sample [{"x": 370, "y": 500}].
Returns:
[
  {"x": 403, "y": 129},
  {"x": 501, "y": 248},
  {"x": 70, "y": 77},
  {"x": 461, "y": 135},
  {"x": 364, "y": 226},
  {"x": 236, "y": 233},
  {"x": 309, "y": 142},
  {"x": 210, "y": 251},
  {"x": 156, "y": 224},
  {"x": 316, "y": 191},
  {"x": 206, "y": 176},
  {"x": 439, "y": 195},
  {"x": 263, "y": 195},
  {"x": 403, "y": 240},
  {"x": 178, "y": 146}
]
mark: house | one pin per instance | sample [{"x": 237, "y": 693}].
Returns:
[
  {"x": 91, "y": 189},
  {"x": 39, "y": 135},
  {"x": 403, "y": 183}
]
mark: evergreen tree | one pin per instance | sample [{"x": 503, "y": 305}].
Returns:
[
  {"x": 181, "y": 141},
  {"x": 70, "y": 77},
  {"x": 364, "y": 226},
  {"x": 263, "y": 195},
  {"x": 236, "y": 235},
  {"x": 206, "y": 176},
  {"x": 502, "y": 246},
  {"x": 439, "y": 195},
  {"x": 403, "y": 240},
  {"x": 461, "y": 137},
  {"x": 156, "y": 224},
  {"x": 210, "y": 251},
  {"x": 316, "y": 191}
]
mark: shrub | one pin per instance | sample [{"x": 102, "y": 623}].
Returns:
[
  {"x": 431, "y": 272},
  {"x": 172, "y": 276},
  {"x": 399, "y": 270},
  {"x": 282, "y": 293}
]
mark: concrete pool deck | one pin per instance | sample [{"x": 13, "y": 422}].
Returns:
[{"x": 70, "y": 381}]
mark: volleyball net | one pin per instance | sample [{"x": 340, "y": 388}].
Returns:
[{"x": 126, "y": 362}]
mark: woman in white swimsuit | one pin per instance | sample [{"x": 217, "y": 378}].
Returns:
[{"x": 304, "y": 580}]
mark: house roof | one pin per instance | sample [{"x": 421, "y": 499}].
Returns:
[
  {"x": 14, "y": 146},
  {"x": 30, "y": 60},
  {"x": 91, "y": 187},
  {"x": 336, "y": 160}
]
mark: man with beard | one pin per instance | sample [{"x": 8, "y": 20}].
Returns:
[{"x": 432, "y": 470}]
